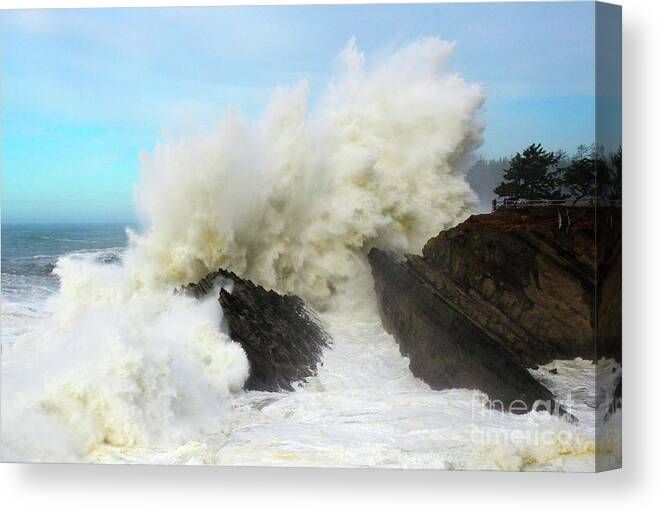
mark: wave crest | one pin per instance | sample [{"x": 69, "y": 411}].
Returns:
[{"x": 294, "y": 200}]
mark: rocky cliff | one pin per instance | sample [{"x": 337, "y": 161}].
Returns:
[
  {"x": 497, "y": 294},
  {"x": 282, "y": 338}
]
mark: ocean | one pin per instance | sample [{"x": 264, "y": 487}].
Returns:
[
  {"x": 91, "y": 374},
  {"x": 29, "y": 255},
  {"x": 103, "y": 363}
]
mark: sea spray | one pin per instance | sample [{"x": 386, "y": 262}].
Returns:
[
  {"x": 112, "y": 365},
  {"x": 294, "y": 200}
]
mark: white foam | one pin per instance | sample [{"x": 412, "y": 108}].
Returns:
[
  {"x": 365, "y": 409},
  {"x": 294, "y": 200},
  {"x": 121, "y": 369},
  {"x": 118, "y": 366}
]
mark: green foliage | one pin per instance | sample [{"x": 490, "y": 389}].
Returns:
[
  {"x": 579, "y": 178},
  {"x": 614, "y": 187},
  {"x": 538, "y": 174},
  {"x": 533, "y": 174}
]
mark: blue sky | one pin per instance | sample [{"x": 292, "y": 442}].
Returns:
[{"x": 85, "y": 91}]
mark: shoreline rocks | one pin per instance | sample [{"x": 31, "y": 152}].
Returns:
[
  {"x": 445, "y": 348},
  {"x": 282, "y": 338},
  {"x": 496, "y": 295}
]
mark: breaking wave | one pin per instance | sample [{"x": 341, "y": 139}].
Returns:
[
  {"x": 109, "y": 364},
  {"x": 294, "y": 200}
]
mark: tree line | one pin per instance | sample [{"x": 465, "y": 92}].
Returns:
[{"x": 535, "y": 174}]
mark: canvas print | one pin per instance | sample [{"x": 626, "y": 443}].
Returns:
[{"x": 358, "y": 236}]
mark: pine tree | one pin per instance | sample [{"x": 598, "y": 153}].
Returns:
[
  {"x": 533, "y": 174},
  {"x": 591, "y": 174},
  {"x": 579, "y": 178},
  {"x": 615, "y": 175}
]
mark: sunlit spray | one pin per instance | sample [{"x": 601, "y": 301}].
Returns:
[{"x": 293, "y": 201}]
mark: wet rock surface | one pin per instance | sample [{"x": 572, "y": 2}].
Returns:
[
  {"x": 501, "y": 293},
  {"x": 445, "y": 348},
  {"x": 282, "y": 338}
]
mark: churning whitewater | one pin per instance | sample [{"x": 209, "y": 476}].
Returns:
[
  {"x": 118, "y": 368},
  {"x": 294, "y": 200}
]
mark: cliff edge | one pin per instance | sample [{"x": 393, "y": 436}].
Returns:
[{"x": 498, "y": 294}]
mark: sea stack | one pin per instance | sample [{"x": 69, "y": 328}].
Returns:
[{"x": 281, "y": 336}]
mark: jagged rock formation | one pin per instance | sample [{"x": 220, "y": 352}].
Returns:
[
  {"x": 493, "y": 296},
  {"x": 609, "y": 308},
  {"x": 282, "y": 338},
  {"x": 445, "y": 347},
  {"x": 609, "y": 284}
]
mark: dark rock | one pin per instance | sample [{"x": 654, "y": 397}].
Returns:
[
  {"x": 609, "y": 285},
  {"x": 109, "y": 258},
  {"x": 614, "y": 401},
  {"x": 209, "y": 283},
  {"x": 446, "y": 348},
  {"x": 282, "y": 338},
  {"x": 501, "y": 293},
  {"x": 47, "y": 269},
  {"x": 525, "y": 276}
]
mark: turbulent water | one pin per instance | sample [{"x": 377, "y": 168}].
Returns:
[
  {"x": 103, "y": 363},
  {"x": 30, "y": 253},
  {"x": 294, "y": 200},
  {"x": 104, "y": 386}
]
